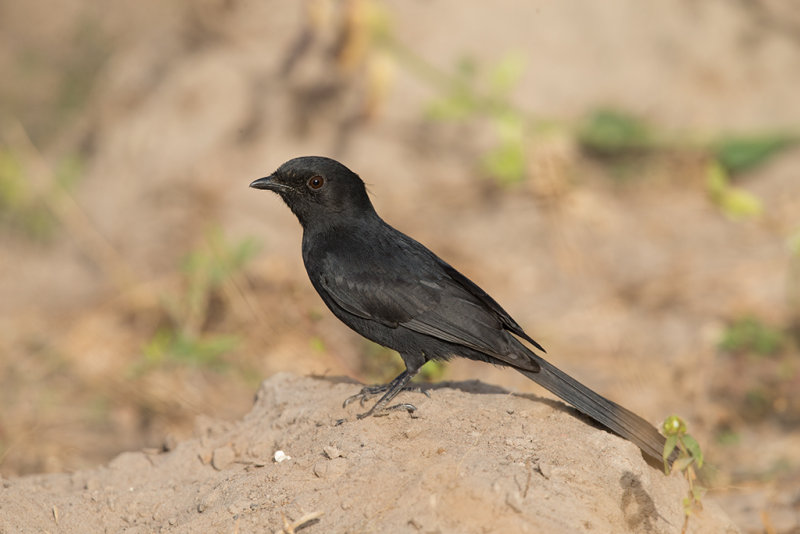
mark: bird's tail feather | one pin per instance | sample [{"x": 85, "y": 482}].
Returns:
[{"x": 608, "y": 413}]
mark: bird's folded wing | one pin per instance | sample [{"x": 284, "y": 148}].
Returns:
[
  {"x": 502, "y": 315},
  {"x": 437, "y": 306}
]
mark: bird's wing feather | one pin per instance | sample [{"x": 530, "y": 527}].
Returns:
[
  {"x": 508, "y": 322},
  {"x": 404, "y": 288}
]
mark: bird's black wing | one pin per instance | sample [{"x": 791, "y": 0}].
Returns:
[
  {"x": 401, "y": 284},
  {"x": 508, "y": 322}
]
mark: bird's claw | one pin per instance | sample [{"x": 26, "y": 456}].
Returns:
[
  {"x": 366, "y": 393},
  {"x": 369, "y": 392}
]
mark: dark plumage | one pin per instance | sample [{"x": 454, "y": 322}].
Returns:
[{"x": 391, "y": 289}]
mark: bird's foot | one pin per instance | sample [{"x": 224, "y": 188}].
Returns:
[
  {"x": 366, "y": 393},
  {"x": 369, "y": 392},
  {"x": 389, "y": 391},
  {"x": 379, "y": 410}
]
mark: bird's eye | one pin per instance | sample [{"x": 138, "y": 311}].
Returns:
[{"x": 315, "y": 182}]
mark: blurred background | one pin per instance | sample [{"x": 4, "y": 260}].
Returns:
[{"x": 622, "y": 177}]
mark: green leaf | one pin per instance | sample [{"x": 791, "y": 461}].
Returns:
[
  {"x": 458, "y": 105},
  {"x": 669, "y": 446},
  {"x": 206, "y": 350},
  {"x": 317, "y": 345},
  {"x": 433, "y": 371},
  {"x": 506, "y": 74},
  {"x": 506, "y": 163},
  {"x": 740, "y": 154},
  {"x": 155, "y": 349},
  {"x": 682, "y": 463},
  {"x": 734, "y": 202},
  {"x": 608, "y": 132},
  {"x": 749, "y": 334},
  {"x": 698, "y": 492},
  {"x": 687, "y": 505},
  {"x": 694, "y": 449},
  {"x": 717, "y": 181},
  {"x": 728, "y": 437},
  {"x": 741, "y": 204}
]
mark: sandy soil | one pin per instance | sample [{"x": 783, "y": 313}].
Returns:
[
  {"x": 628, "y": 274},
  {"x": 474, "y": 459}
]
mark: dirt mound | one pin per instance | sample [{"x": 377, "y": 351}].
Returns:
[{"x": 474, "y": 459}]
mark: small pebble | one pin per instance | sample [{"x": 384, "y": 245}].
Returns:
[
  {"x": 514, "y": 501},
  {"x": 331, "y": 452},
  {"x": 222, "y": 457},
  {"x": 320, "y": 469},
  {"x": 331, "y": 469}
]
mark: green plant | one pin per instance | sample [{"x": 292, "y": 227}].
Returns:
[
  {"x": 613, "y": 133},
  {"x": 470, "y": 94},
  {"x": 749, "y": 334},
  {"x": 316, "y": 344},
  {"x": 764, "y": 392},
  {"x": 727, "y": 436},
  {"x": 171, "y": 345},
  {"x": 433, "y": 371},
  {"x": 29, "y": 210},
  {"x": 743, "y": 153},
  {"x": 689, "y": 458},
  {"x": 793, "y": 284},
  {"x": 733, "y": 201},
  {"x": 204, "y": 272}
]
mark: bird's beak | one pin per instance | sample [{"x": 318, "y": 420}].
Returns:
[
  {"x": 271, "y": 183},
  {"x": 268, "y": 182}
]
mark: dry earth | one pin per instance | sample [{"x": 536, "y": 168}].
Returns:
[
  {"x": 629, "y": 283},
  {"x": 474, "y": 459}
]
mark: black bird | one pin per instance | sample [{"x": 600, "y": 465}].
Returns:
[{"x": 394, "y": 291}]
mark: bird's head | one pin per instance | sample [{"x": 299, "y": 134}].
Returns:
[{"x": 318, "y": 190}]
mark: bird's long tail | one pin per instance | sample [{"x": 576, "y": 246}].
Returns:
[{"x": 608, "y": 413}]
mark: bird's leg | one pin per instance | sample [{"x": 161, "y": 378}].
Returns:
[
  {"x": 389, "y": 391},
  {"x": 392, "y": 389},
  {"x": 366, "y": 393}
]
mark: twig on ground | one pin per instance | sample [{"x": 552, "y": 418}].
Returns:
[{"x": 291, "y": 528}]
